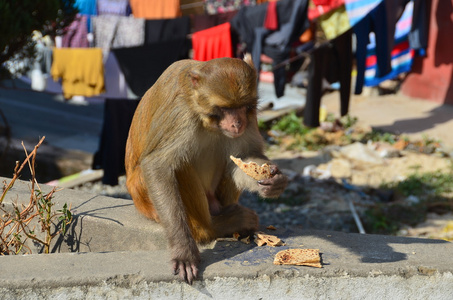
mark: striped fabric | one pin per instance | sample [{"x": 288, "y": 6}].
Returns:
[
  {"x": 402, "y": 54},
  {"x": 357, "y": 9}
]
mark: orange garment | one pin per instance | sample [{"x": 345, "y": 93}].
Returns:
[
  {"x": 155, "y": 9},
  {"x": 81, "y": 71},
  {"x": 214, "y": 42}
]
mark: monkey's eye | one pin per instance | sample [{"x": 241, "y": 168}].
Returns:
[
  {"x": 251, "y": 108},
  {"x": 214, "y": 117}
]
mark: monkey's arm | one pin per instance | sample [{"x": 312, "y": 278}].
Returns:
[{"x": 162, "y": 187}]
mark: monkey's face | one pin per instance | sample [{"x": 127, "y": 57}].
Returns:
[{"x": 233, "y": 121}]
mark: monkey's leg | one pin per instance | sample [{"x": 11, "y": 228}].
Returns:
[
  {"x": 196, "y": 204},
  {"x": 235, "y": 218}
]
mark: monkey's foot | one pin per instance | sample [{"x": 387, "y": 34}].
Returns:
[
  {"x": 235, "y": 218},
  {"x": 188, "y": 271}
]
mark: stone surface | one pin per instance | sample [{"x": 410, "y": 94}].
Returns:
[{"x": 127, "y": 258}]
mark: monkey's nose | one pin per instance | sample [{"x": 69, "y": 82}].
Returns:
[{"x": 237, "y": 125}]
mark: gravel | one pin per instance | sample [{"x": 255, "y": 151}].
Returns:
[{"x": 307, "y": 202}]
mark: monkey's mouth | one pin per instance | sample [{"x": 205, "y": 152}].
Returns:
[{"x": 233, "y": 134}]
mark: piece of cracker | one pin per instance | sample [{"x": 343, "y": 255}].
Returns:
[
  {"x": 271, "y": 227},
  {"x": 252, "y": 169},
  {"x": 299, "y": 257},
  {"x": 266, "y": 239}
]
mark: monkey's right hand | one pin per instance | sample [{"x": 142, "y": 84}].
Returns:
[
  {"x": 274, "y": 186},
  {"x": 185, "y": 262}
]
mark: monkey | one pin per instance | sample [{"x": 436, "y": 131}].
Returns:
[{"x": 178, "y": 170}]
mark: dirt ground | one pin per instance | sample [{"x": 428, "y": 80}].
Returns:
[{"x": 360, "y": 174}]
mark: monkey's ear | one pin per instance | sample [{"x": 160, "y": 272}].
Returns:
[
  {"x": 195, "y": 78},
  {"x": 248, "y": 60}
]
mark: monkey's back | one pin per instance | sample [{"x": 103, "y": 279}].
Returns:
[{"x": 158, "y": 116}]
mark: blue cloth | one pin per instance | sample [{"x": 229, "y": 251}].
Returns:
[
  {"x": 402, "y": 55},
  {"x": 88, "y": 8},
  {"x": 375, "y": 21},
  {"x": 358, "y": 9}
]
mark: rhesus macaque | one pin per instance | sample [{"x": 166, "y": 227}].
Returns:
[{"x": 178, "y": 168}]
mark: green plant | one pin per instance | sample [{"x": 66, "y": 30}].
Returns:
[
  {"x": 380, "y": 136},
  {"x": 430, "y": 183},
  {"x": 434, "y": 191},
  {"x": 17, "y": 224},
  {"x": 291, "y": 124}
]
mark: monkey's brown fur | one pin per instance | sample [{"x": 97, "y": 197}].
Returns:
[{"x": 178, "y": 169}]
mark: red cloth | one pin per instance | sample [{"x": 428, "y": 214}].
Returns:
[
  {"x": 271, "y": 21},
  {"x": 211, "y": 43},
  {"x": 322, "y": 7}
]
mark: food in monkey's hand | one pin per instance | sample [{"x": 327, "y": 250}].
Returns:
[
  {"x": 252, "y": 169},
  {"x": 299, "y": 257}
]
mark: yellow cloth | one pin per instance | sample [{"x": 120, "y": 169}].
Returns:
[
  {"x": 155, "y": 9},
  {"x": 81, "y": 71},
  {"x": 335, "y": 22}
]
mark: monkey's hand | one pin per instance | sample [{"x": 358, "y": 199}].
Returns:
[
  {"x": 274, "y": 186},
  {"x": 185, "y": 261}
]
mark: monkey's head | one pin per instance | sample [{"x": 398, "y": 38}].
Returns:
[{"x": 225, "y": 94}]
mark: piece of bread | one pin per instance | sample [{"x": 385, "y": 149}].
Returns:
[
  {"x": 299, "y": 257},
  {"x": 266, "y": 239},
  {"x": 252, "y": 169}
]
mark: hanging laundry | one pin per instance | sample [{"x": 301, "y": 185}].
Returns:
[
  {"x": 118, "y": 32},
  {"x": 271, "y": 19},
  {"x": 318, "y": 8},
  {"x": 118, "y": 115},
  {"x": 115, "y": 82},
  {"x": 358, "y": 9},
  {"x": 418, "y": 36},
  {"x": 293, "y": 21},
  {"x": 212, "y": 43},
  {"x": 382, "y": 21},
  {"x": 401, "y": 56},
  {"x": 143, "y": 65},
  {"x": 80, "y": 69},
  {"x": 155, "y": 9},
  {"x": 88, "y": 9},
  {"x": 164, "y": 30},
  {"x": 75, "y": 35},
  {"x": 213, "y": 7},
  {"x": 332, "y": 61},
  {"x": 335, "y": 22},
  {"x": 202, "y": 22},
  {"x": 375, "y": 21},
  {"x": 113, "y": 7}
]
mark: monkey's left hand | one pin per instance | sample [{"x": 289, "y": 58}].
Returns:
[{"x": 274, "y": 186}]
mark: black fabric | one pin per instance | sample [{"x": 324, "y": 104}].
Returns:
[
  {"x": 143, "y": 65},
  {"x": 164, "y": 30},
  {"x": 418, "y": 37},
  {"x": 293, "y": 21},
  {"x": 202, "y": 22},
  {"x": 332, "y": 61},
  {"x": 118, "y": 115}
]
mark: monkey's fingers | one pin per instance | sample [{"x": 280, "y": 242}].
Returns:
[
  {"x": 175, "y": 267},
  {"x": 187, "y": 271},
  {"x": 274, "y": 170},
  {"x": 191, "y": 272}
]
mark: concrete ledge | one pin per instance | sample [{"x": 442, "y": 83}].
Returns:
[{"x": 131, "y": 262}]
